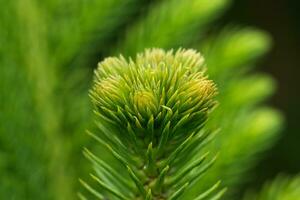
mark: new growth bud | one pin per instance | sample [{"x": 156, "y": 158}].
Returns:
[
  {"x": 151, "y": 110},
  {"x": 158, "y": 92}
]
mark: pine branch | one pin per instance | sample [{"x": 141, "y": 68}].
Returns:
[{"x": 152, "y": 110}]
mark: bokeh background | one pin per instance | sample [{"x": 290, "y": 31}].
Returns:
[
  {"x": 281, "y": 18},
  {"x": 44, "y": 105}
]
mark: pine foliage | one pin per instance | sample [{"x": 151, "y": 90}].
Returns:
[
  {"x": 48, "y": 50},
  {"x": 150, "y": 113}
]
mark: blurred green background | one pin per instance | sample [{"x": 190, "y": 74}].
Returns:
[
  {"x": 48, "y": 50},
  {"x": 281, "y": 18}
]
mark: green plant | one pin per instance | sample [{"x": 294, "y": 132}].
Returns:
[
  {"x": 151, "y": 116},
  {"x": 47, "y": 53}
]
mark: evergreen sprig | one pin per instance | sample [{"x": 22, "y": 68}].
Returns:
[{"x": 151, "y": 112}]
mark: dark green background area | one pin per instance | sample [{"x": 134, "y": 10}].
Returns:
[{"x": 281, "y": 18}]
